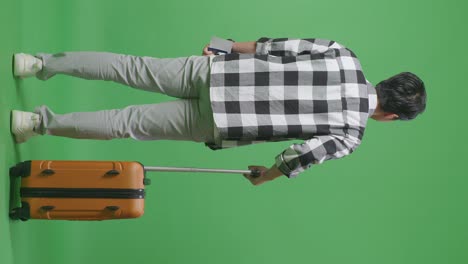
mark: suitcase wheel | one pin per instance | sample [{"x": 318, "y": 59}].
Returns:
[
  {"x": 20, "y": 213},
  {"x": 22, "y": 169}
]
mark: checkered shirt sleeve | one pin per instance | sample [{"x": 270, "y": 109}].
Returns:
[
  {"x": 293, "y": 46},
  {"x": 316, "y": 150}
]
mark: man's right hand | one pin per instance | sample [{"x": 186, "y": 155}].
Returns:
[{"x": 265, "y": 174}]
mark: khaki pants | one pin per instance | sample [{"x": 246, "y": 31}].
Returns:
[{"x": 188, "y": 118}]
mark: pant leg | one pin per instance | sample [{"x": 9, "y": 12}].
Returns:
[
  {"x": 182, "y": 119},
  {"x": 177, "y": 77}
]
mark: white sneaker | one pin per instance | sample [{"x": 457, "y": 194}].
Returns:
[
  {"x": 25, "y": 65},
  {"x": 24, "y": 125}
]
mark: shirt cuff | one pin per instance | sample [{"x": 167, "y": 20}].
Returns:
[
  {"x": 211, "y": 59},
  {"x": 263, "y": 46},
  {"x": 284, "y": 168}
]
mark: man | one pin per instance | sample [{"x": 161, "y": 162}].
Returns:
[{"x": 267, "y": 90}]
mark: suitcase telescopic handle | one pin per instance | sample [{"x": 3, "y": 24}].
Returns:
[{"x": 253, "y": 173}]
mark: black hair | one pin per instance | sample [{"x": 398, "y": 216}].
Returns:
[{"x": 403, "y": 94}]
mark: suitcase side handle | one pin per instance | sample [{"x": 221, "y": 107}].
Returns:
[
  {"x": 113, "y": 173},
  {"x": 48, "y": 172},
  {"x": 50, "y": 213}
]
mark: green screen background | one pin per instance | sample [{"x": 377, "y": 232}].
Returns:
[{"x": 400, "y": 198}]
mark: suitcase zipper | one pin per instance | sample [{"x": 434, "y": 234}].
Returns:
[{"x": 83, "y": 193}]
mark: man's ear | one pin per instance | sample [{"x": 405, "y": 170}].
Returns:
[{"x": 391, "y": 116}]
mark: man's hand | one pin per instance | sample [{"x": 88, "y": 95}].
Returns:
[
  {"x": 206, "y": 52},
  {"x": 237, "y": 47},
  {"x": 265, "y": 174}
]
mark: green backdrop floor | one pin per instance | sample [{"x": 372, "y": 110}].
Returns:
[{"x": 11, "y": 97}]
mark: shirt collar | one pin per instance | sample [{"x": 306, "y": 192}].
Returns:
[{"x": 372, "y": 98}]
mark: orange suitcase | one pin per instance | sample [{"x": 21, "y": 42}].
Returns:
[
  {"x": 86, "y": 190},
  {"x": 80, "y": 190}
]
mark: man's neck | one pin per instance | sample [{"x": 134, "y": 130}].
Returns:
[{"x": 377, "y": 112}]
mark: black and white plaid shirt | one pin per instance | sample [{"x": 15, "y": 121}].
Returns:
[{"x": 309, "y": 89}]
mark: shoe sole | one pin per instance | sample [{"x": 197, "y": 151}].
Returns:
[
  {"x": 16, "y": 121},
  {"x": 13, "y": 65},
  {"x": 18, "y": 67}
]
